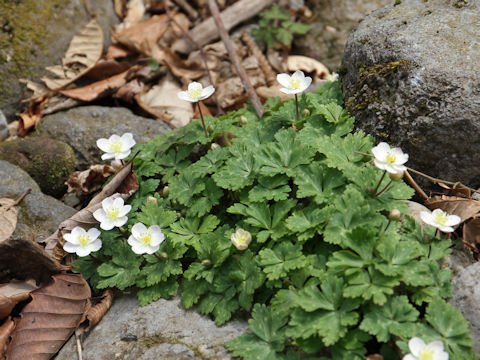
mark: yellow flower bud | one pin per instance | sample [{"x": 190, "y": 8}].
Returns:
[
  {"x": 395, "y": 215},
  {"x": 397, "y": 176},
  {"x": 305, "y": 112},
  {"x": 214, "y": 146},
  {"x": 206, "y": 263},
  {"x": 243, "y": 120},
  {"x": 151, "y": 199},
  {"x": 241, "y": 239},
  {"x": 165, "y": 191}
]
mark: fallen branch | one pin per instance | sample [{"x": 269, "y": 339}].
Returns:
[
  {"x": 185, "y": 6},
  {"x": 206, "y": 32},
  {"x": 262, "y": 60},
  {"x": 234, "y": 57}
]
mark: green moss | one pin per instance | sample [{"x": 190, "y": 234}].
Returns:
[
  {"x": 397, "y": 2},
  {"x": 151, "y": 341}
]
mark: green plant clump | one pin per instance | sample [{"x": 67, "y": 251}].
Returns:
[
  {"x": 275, "y": 26},
  {"x": 327, "y": 275}
]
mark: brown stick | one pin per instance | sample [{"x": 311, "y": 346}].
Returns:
[
  {"x": 197, "y": 46},
  {"x": 234, "y": 57},
  {"x": 186, "y": 6},
  {"x": 262, "y": 60},
  {"x": 19, "y": 199},
  {"x": 415, "y": 185}
]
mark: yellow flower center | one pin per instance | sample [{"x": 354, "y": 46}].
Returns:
[
  {"x": 113, "y": 212},
  {"x": 426, "y": 354},
  {"x": 242, "y": 240},
  {"x": 116, "y": 146},
  {"x": 84, "y": 240},
  {"x": 440, "y": 218},
  {"x": 195, "y": 93},
  {"x": 146, "y": 237},
  {"x": 391, "y": 158},
  {"x": 294, "y": 83}
]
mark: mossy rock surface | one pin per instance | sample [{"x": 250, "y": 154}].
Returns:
[
  {"x": 49, "y": 162},
  {"x": 35, "y": 34}
]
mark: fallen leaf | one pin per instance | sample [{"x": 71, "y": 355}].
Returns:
[
  {"x": 465, "y": 208},
  {"x": 118, "y": 6},
  {"x": 98, "y": 311},
  {"x": 184, "y": 70},
  {"x": 104, "y": 69},
  {"x": 230, "y": 92},
  {"x": 83, "y": 53},
  {"x": 117, "y": 51},
  {"x": 58, "y": 307},
  {"x": 5, "y": 330},
  {"x": 162, "y": 102},
  {"x": 308, "y": 65},
  {"x": 90, "y": 180},
  {"x": 8, "y": 218},
  {"x": 266, "y": 92},
  {"x": 12, "y": 293},
  {"x": 97, "y": 89},
  {"x": 128, "y": 91},
  {"x": 471, "y": 231}
]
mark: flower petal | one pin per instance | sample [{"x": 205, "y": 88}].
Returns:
[
  {"x": 298, "y": 75},
  {"x": 125, "y": 210},
  {"x": 380, "y": 151},
  {"x": 195, "y": 86},
  {"x": 120, "y": 221},
  {"x": 118, "y": 202},
  {"x": 107, "y": 224},
  {"x": 409, "y": 357},
  {"x": 436, "y": 346},
  {"x": 453, "y": 220},
  {"x": 95, "y": 246},
  {"x": 83, "y": 251},
  {"x": 122, "y": 155},
  {"x": 207, "y": 92},
  {"x": 153, "y": 249},
  {"x": 306, "y": 83},
  {"x": 427, "y": 218},
  {"x": 157, "y": 235},
  {"x": 137, "y": 229},
  {"x": 283, "y": 79},
  {"x": 70, "y": 248},
  {"x": 100, "y": 215},
  {"x": 94, "y": 233},
  {"x": 183, "y": 95},
  {"x": 108, "y": 156},
  {"x": 107, "y": 203},
  {"x": 415, "y": 345},
  {"x": 103, "y": 144},
  {"x": 288, "y": 91}
]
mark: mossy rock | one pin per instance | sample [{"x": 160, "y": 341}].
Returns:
[{"x": 47, "y": 161}]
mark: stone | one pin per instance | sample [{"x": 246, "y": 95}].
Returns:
[
  {"x": 35, "y": 34},
  {"x": 410, "y": 74},
  {"x": 4, "y": 130},
  {"x": 466, "y": 292},
  {"x": 39, "y": 214},
  {"x": 49, "y": 162},
  {"x": 334, "y": 20},
  {"x": 82, "y": 126},
  {"x": 161, "y": 330}
]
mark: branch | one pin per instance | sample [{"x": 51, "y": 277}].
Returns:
[
  {"x": 270, "y": 75},
  {"x": 234, "y": 57}
]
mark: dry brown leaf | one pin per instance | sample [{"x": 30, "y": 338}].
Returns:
[
  {"x": 90, "y": 180},
  {"x": 8, "y": 218},
  {"x": 118, "y": 6},
  {"x": 374, "y": 357},
  {"x": 186, "y": 71},
  {"x": 162, "y": 102},
  {"x": 58, "y": 307},
  {"x": 99, "y": 88},
  {"x": 308, "y": 65},
  {"x": 36, "y": 89},
  {"x": 104, "y": 69},
  {"x": 230, "y": 92},
  {"x": 465, "y": 208},
  {"x": 12, "y": 293},
  {"x": 117, "y": 51},
  {"x": 128, "y": 91},
  {"x": 5, "y": 330},
  {"x": 98, "y": 311},
  {"x": 471, "y": 231},
  {"x": 83, "y": 53},
  {"x": 273, "y": 91}
]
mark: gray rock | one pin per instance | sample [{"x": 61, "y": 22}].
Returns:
[
  {"x": 334, "y": 20},
  {"x": 161, "y": 330},
  {"x": 411, "y": 78},
  {"x": 81, "y": 127},
  {"x": 35, "y": 34},
  {"x": 4, "y": 131},
  {"x": 40, "y": 214},
  {"x": 466, "y": 293}
]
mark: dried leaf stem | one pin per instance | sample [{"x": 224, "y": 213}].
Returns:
[
  {"x": 197, "y": 46},
  {"x": 264, "y": 64},
  {"x": 18, "y": 200},
  {"x": 234, "y": 57}
]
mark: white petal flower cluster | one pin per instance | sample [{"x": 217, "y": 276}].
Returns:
[
  {"x": 82, "y": 242},
  {"x": 388, "y": 159},
  {"x": 116, "y": 147},
  {"x": 295, "y": 84},
  {"x": 332, "y": 77},
  {"x": 241, "y": 239},
  {"x": 112, "y": 213},
  {"x": 145, "y": 240},
  {"x": 421, "y": 351},
  {"x": 440, "y": 220},
  {"x": 196, "y": 92}
]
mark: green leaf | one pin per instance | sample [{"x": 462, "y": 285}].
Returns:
[
  {"x": 396, "y": 317},
  {"x": 210, "y": 162},
  {"x": 284, "y": 36},
  {"x": 220, "y": 305},
  {"x": 153, "y": 214},
  {"x": 192, "y": 290},
  {"x": 188, "y": 230},
  {"x": 396, "y": 254},
  {"x": 145, "y": 189},
  {"x": 184, "y": 186},
  {"x": 283, "y": 258},
  {"x": 351, "y": 346},
  {"x": 210, "y": 197},
  {"x": 333, "y": 113},
  {"x": 270, "y": 188},
  {"x": 297, "y": 28},
  {"x": 164, "y": 290},
  {"x": 308, "y": 221}
]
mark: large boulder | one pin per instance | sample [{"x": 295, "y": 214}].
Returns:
[
  {"x": 160, "y": 330},
  {"x": 82, "y": 126},
  {"x": 39, "y": 214},
  {"x": 334, "y": 20},
  {"x": 411, "y": 77},
  {"x": 35, "y": 34}
]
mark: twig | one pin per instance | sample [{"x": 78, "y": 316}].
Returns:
[
  {"x": 187, "y": 7},
  {"x": 197, "y": 46},
  {"x": 415, "y": 185},
  {"x": 234, "y": 57},
  {"x": 19, "y": 199},
  {"x": 79, "y": 345},
  {"x": 262, "y": 60}
]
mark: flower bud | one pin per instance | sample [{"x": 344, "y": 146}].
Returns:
[
  {"x": 164, "y": 255},
  {"x": 397, "y": 176},
  {"x": 151, "y": 199},
  {"x": 243, "y": 120},
  {"x": 241, "y": 239},
  {"x": 210, "y": 128},
  {"x": 183, "y": 212},
  {"x": 214, "y": 146},
  {"x": 305, "y": 112},
  {"x": 206, "y": 263},
  {"x": 166, "y": 191},
  {"x": 395, "y": 215}
]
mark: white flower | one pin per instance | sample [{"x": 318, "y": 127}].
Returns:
[
  {"x": 116, "y": 147},
  {"x": 440, "y": 219},
  {"x": 294, "y": 84},
  {"x": 240, "y": 239},
  {"x": 82, "y": 242},
  {"x": 145, "y": 241},
  {"x": 332, "y": 77},
  {"x": 388, "y": 159},
  {"x": 196, "y": 92},
  {"x": 420, "y": 351},
  {"x": 113, "y": 213}
]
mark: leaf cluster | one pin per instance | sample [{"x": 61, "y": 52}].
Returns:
[{"x": 326, "y": 276}]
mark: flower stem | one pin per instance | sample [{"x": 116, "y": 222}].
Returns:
[
  {"x": 381, "y": 179},
  {"x": 158, "y": 257},
  {"x": 383, "y": 190},
  {"x": 296, "y": 107},
  {"x": 203, "y": 121},
  {"x": 94, "y": 257}
]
